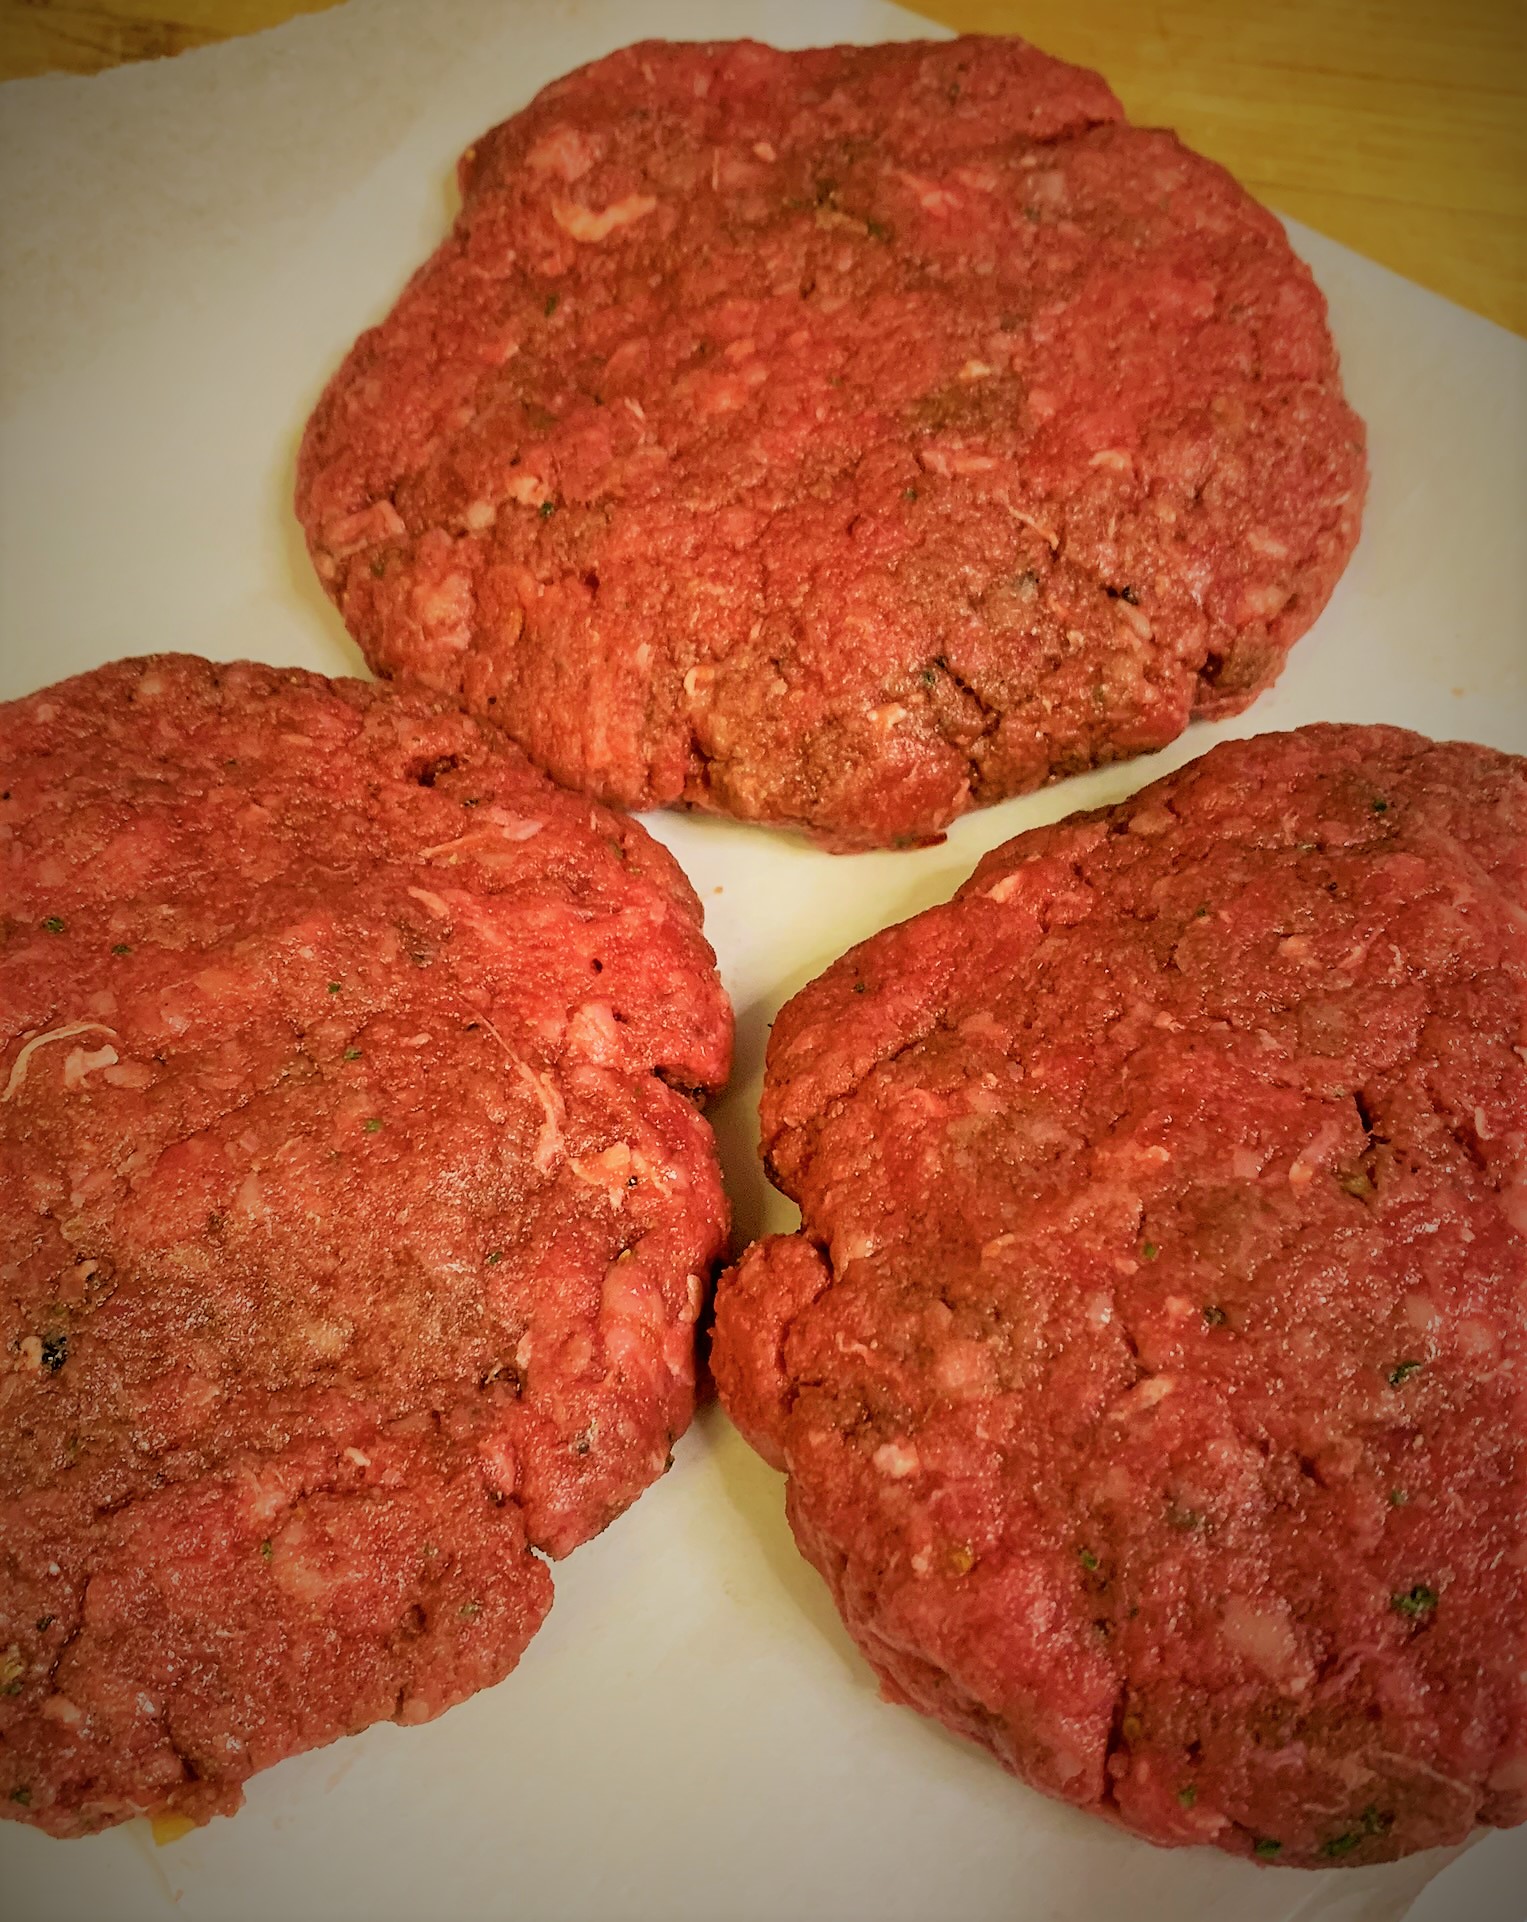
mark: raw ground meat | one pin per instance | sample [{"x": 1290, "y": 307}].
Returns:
[
  {"x": 843, "y": 439},
  {"x": 1147, "y": 1370},
  {"x": 354, "y": 1216}
]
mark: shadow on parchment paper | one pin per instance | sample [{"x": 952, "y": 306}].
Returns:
[
  {"x": 756, "y": 1492},
  {"x": 758, "y": 1208}
]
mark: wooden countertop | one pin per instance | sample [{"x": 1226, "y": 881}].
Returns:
[{"x": 1396, "y": 126}]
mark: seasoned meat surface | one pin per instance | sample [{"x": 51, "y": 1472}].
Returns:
[
  {"x": 355, "y": 1212},
  {"x": 839, "y": 439},
  {"x": 1147, "y": 1369}
]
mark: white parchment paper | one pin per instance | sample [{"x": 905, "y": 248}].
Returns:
[{"x": 187, "y": 250}]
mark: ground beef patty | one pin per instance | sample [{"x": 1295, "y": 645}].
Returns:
[
  {"x": 354, "y": 1216},
  {"x": 846, "y": 438},
  {"x": 1143, "y": 1369}
]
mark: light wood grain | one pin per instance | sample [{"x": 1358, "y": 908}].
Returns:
[
  {"x": 1397, "y": 126},
  {"x": 87, "y": 36}
]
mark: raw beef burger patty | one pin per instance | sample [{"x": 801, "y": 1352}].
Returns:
[
  {"x": 1143, "y": 1369},
  {"x": 843, "y": 439},
  {"x": 355, "y": 1216}
]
